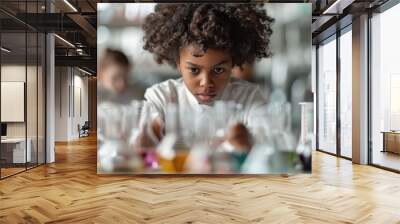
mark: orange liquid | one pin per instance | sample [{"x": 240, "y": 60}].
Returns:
[
  {"x": 166, "y": 165},
  {"x": 180, "y": 160}
]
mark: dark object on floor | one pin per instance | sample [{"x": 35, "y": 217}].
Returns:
[
  {"x": 3, "y": 129},
  {"x": 84, "y": 130}
]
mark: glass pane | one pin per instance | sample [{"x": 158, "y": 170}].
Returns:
[
  {"x": 346, "y": 94},
  {"x": 314, "y": 81},
  {"x": 31, "y": 86},
  {"x": 31, "y": 98},
  {"x": 41, "y": 99},
  {"x": 13, "y": 86},
  {"x": 386, "y": 89},
  {"x": 327, "y": 96}
]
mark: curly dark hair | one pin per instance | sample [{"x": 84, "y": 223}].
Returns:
[{"x": 242, "y": 29}]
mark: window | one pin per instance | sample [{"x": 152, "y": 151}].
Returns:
[
  {"x": 385, "y": 89},
  {"x": 346, "y": 93},
  {"x": 327, "y": 96}
]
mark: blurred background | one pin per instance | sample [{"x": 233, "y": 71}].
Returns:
[{"x": 284, "y": 77}]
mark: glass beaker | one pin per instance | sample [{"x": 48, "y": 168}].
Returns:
[{"x": 304, "y": 147}]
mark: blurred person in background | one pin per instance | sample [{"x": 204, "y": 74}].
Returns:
[
  {"x": 244, "y": 72},
  {"x": 113, "y": 82},
  {"x": 204, "y": 42}
]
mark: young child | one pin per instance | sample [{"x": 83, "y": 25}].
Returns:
[
  {"x": 204, "y": 42},
  {"x": 244, "y": 72},
  {"x": 114, "y": 69}
]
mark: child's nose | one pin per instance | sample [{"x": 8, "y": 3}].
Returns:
[{"x": 206, "y": 80}]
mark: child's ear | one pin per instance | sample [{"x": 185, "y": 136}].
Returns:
[{"x": 178, "y": 67}]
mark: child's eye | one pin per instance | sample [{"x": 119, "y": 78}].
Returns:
[
  {"x": 194, "y": 71},
  {"x": 219, "y": 70}
]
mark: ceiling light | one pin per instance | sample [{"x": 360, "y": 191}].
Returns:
[
  {"x": 70, "y": 5},
  {"x": 84, "y": 71},
  {"x": 329, "y": 9},
  {"x": 5, "y": 49},
  {"x": 337, "y": 7},
  {"x": 64, "y": 40}
]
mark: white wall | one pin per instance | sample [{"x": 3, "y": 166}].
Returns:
[
  {"x": 61, "y": 103},
  {"x": 71, "y": 87},
  {"x": 82, "y": 83},
  {"x": 80, "y": 97},
  {"x": 12, "y": 101}
]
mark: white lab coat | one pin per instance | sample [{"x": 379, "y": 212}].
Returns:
[{"x": 248, "y": 95}]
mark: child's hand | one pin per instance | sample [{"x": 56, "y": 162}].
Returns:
[
  {"x": 239, "y": 137},
  {"x": 150, "y": 135},
  {"x": 156, "y": 127}
]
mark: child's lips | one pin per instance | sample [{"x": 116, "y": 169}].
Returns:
[{"x": 206, "y": 97}]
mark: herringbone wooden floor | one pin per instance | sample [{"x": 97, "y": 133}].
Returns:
[{"x": 70, "y": 191}]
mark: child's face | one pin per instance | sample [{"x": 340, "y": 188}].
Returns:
[
  {"x": 114, "y": 78},
  {"x": 207, "y": 75}
]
